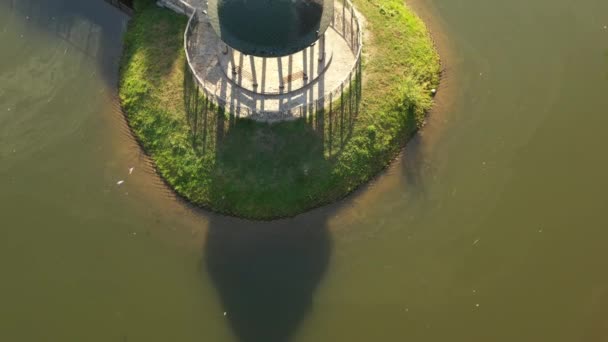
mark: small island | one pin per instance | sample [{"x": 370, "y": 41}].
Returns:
[{"x": 272, "y": 126}]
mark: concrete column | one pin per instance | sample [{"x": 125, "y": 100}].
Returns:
[
  {"x": 352, "y": 33},
  {"x": 232, "y": 61},
  {"x": 304, "y": 66},
  {"x": 280, "y": 67},
  {"x": 322, "y": 48},
  {"x": 344, "y": 18},
  {"x": 263, "y": 86},
  {"x": 253, "y": 73}
]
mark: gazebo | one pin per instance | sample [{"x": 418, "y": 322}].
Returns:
[{"x": 273, "y": 60}]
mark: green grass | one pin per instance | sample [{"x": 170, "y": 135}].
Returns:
[{"x": 263, "y": 171}]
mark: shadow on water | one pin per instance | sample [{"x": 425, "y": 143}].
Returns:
[
  {"x": 91, "y": 27},
  {"x": 266, "y": 273},
  {"x": 412, "y": 163}
]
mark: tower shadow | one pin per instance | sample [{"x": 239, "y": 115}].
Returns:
[{"x": 266, "y": 273}]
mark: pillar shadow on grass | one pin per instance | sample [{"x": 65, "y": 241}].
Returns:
[
  {"x": 331, "y": 120},
  {"x": 261, "y": 169}
]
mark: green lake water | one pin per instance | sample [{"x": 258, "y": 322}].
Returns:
[{"x": 491, "y": 226}]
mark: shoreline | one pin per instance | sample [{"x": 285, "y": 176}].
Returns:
[{"x": 321, "y": 200}]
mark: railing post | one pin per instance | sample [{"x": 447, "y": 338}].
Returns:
[
  {"x": 342, "y": 113},
  {"x": 204, "y": 142},
  {"x": 352, "y": 16},
  {"x": 358, "y": 40},
  {"x": 343, "y": 17},
  {"x": 322, "y": 48},
  {"x": 196, "y": 96},
  {"x": 330, "y": 132},
  {"x": 350, "y": 97},
  {"x": 359, "y": 79}
]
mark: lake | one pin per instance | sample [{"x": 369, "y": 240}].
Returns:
[{"x": 491, "y": 226}]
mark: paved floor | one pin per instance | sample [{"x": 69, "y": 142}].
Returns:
[
  {"x": 278, "y": 74},
  {"x": 215, "y": 69}
]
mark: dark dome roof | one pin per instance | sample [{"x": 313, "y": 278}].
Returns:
[{"x": 270, "y": 27}]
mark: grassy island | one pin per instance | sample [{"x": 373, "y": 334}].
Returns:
[{"x": 262, "y": 171}]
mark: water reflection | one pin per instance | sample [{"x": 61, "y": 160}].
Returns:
[{"x": 266, "y": 273}]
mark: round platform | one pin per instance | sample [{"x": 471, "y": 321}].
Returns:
[{"x": 213, "y": 67}]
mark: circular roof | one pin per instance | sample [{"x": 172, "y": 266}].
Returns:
[{"x": 269, "y": 28}]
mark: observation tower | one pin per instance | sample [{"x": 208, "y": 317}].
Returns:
[{"x": 272, "y": 60}]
